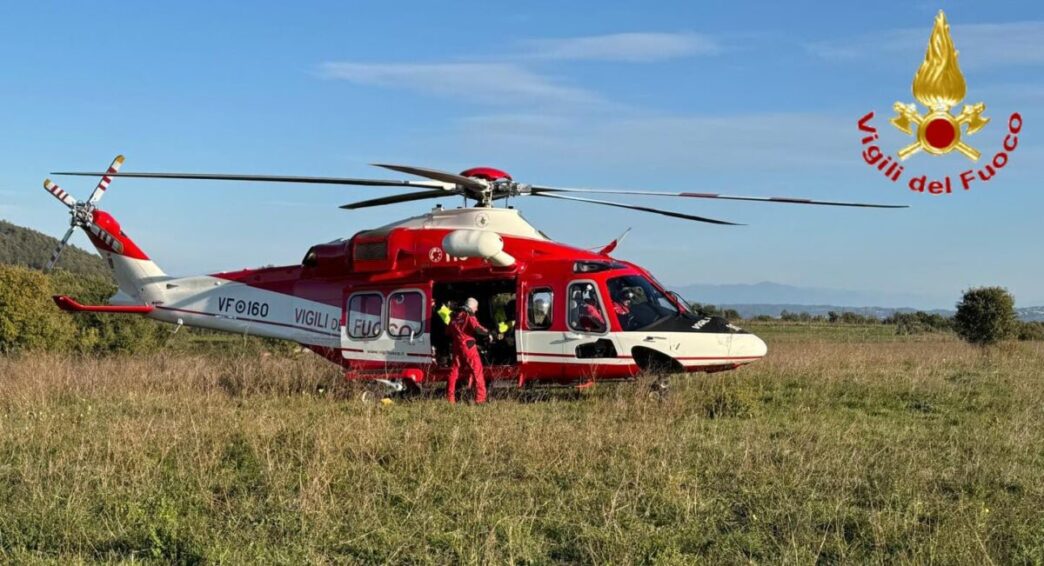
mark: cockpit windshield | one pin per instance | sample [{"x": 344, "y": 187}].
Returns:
[
  {"x": 637, "y": 303},
  {"x": 685, "y": 304}
]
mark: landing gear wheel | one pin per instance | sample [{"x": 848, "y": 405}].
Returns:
[
  {"x": 660, "y": 388},
  {"x": 659, "y": 367},
  {"x": 381, "y": 391}
]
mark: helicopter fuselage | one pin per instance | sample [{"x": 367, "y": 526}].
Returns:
[{"x": 371, "y": 303}]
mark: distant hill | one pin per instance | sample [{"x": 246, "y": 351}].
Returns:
[
  {"x": 1028, "y": 314},
  {"x": 768, "y": 293},
  {"x": 29, "y": 248},
  {"x": 771, "y": 299},
  {"x": 754, "y": 310}
]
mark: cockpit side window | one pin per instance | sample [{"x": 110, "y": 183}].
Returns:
[{"x": 585, "y": 308}]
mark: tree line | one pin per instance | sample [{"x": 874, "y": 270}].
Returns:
[
  {"x": 985, "y": 315},
  {"x": 29, "y": 319}
]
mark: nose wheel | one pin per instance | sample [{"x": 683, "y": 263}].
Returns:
[{"x": 660, "y": 387}]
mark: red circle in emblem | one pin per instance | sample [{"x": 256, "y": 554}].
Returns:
[{"x": 939, "y": 133}]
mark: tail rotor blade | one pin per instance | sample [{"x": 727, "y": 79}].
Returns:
[
  {"x": 58, "y": 250},
  {"x": 99, "y": 191},
  {"x": 59, "y": 193},
  {"x": 670, "y": 213}
]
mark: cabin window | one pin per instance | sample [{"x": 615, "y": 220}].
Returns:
[
  {"x": 364, "y": 315},
  {"x": 585, "y": 308},
  {"x": 405, "y": 314},
  {"x": 540, "y": 306}
]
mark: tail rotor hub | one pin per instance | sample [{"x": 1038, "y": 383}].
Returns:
[{"x": 81, "y": 212}]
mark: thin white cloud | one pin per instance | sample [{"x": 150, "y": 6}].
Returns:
[
  {"x": 488, "y": 83},
  {"x": 773, "y": 141},
  {"x": 979, "y": 45},
  {"x": 632, "y": 47}
]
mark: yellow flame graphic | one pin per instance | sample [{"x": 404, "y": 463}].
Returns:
[{"x": 939, "y": 83}]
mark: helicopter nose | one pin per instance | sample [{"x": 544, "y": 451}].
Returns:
[{"x": 748, "y": 346}]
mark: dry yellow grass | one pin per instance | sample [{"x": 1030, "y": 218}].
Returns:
[{"x": 926, "y": 451}]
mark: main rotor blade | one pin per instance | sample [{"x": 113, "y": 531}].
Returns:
[
  {"x": 641, "y": 208},
  {"x": 435, "y": 174},
  {"x": 437, "y": 193},
  {"x": 788, "y": 200},
  {"x": 270, "y": 179},
  {"x": 99, "y": 191},
  {"x": 58, "y": 250}
]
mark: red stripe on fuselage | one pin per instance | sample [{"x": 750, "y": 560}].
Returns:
[{"x": 286, "y": 280}]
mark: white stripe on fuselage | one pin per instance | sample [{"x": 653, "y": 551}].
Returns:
[{"x": 220, "y": 304}]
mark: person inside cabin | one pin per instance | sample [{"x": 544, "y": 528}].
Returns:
[
  {"x": 445, "y": 311},
  {"x": 464, "y": 331},
  {"x": 622, "y": 307},
  {"x": 440, "y": 343},
  {"x": 589, "y": 315},
  {"x": 541, "y": 310},
  {"x": 504, "y": 316}
]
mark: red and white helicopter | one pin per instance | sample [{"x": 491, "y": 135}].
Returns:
[{"x": 370, "y": 302}]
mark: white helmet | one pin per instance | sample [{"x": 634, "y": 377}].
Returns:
[
  {"x": 540, "y": 307},
  {"x": 472, "y": 304}
]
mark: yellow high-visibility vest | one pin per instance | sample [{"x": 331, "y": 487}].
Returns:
[
  {"x": 444, "y": 313},
  {"x": 503, "y": 324}
]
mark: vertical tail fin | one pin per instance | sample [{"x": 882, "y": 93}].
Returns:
[{"x": 134, "y": 271}]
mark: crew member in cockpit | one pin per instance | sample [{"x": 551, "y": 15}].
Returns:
[{"x": 622, "y": 307}]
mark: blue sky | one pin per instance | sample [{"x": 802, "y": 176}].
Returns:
[{"x": 745, "y": 98}]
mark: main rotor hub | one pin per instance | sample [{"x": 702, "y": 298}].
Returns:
[{"x": 485, "y": 173}]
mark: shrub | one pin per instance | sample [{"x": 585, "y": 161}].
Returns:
[
  {"x": 919, "y": 322},
  {"x": 1031, "y": 331},
  {"x": 29, "y": 320},
  {"x": 985, "y": 315},
  {"x": 101, "y": 332}
]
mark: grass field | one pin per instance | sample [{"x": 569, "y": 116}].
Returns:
[{"x": 843, "y": 445}]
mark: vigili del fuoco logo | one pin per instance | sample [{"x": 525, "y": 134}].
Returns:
[{"x": 939, "y": 86}]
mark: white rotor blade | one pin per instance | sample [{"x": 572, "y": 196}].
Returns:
[
  {"x": 58, "y": 193},
  {"x": 789, "y": 200},
  {"x": 58, "y": 250},
  {"x": 435, "y": 174},
  {"x": 271, "y": 179},
  {"x": 99, "y": 191},
  {"x": 670, "y": 213}
]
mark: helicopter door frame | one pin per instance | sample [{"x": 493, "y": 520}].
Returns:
[
  {"x": 379, "y": 346},
  {"x": 533, "y": 345},
  {"x": 592, "y": 354},
  {"x": 415, "y": 347}
]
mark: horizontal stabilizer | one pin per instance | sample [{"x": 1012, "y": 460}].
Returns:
[{"x": 68, "y": 304}]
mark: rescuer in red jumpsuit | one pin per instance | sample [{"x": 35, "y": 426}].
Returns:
[{"x": 464, "y": 330}]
